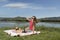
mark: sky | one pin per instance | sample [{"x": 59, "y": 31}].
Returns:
[{"x": 28, "y": 8}]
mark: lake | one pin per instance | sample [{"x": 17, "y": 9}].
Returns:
[{"x": 13, "y": 24}]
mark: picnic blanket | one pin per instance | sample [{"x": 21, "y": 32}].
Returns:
[{"x": 13, "y": 33}]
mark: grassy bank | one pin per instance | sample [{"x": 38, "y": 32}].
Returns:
[{"x": 47, "y": 33}]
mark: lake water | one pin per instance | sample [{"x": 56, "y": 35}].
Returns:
[{"x": 12, "y": 24}]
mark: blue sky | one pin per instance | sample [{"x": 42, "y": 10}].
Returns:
[{"x": 28, "y": 8}]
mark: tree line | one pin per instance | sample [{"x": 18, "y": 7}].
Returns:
[{"x": 23, "y": 19}]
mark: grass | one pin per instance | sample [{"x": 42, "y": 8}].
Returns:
[{"x": 47, "y": 33}]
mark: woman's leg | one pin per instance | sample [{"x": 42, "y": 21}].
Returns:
[
  {"x": 33, "y": 29},
  {"x": 27, "y": 28}
]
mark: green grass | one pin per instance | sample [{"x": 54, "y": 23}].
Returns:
[{"x": 47, "y": 33}]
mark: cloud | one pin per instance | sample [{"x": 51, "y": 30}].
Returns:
[
  {"x": 42, "y": 8},
  {"x": 2, "y": 0},
  {"x": 25, "y": 5},
  {"x": 16, "y": 5}
]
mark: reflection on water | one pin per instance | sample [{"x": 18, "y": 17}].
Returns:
[
  {"x": 49, "y": 24},
  {"x": 12, "y": 24}
]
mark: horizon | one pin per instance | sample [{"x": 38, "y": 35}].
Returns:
[
  {"x": 27, "y": 17},
  {"x": 28, "y": 8}
]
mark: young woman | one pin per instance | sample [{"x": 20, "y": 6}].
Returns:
[{"x": 32, "y": 23}]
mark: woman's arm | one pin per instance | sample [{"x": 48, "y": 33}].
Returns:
[{"x": 28, "y": 19}]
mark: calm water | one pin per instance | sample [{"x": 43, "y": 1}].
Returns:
[{"x": 12, "y": 24}]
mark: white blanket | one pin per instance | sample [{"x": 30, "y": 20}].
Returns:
[{"x": 13, "y": 33}]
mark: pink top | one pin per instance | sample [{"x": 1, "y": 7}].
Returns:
[{"x": 31, "y": 25}]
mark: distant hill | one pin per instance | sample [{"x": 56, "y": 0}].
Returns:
[
  {"x": 13, "y": 19},
  {"x": 23, "y": 19},
  {"x": 50, "y": 19}
]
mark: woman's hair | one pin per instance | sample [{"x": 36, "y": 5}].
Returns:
[{"x": 34, "y": 19}]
